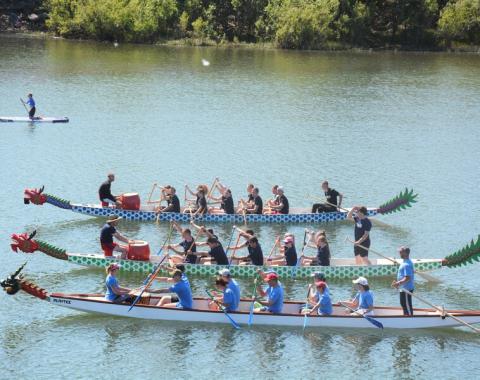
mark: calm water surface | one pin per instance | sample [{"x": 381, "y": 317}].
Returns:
[{"x": 370, "y": 123}]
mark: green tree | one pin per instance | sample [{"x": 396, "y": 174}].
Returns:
[{"x": 460, "y": 21}]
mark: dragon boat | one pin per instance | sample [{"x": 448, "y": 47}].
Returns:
[
  {"x": 147, "y": 212},
  {"x": 146, "y": 308},
  {"x": 340, "y": 268}
]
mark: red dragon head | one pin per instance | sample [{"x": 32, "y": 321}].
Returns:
[
  {"x": 35, "y": 196},
  {"x": 24, "y": 242}
]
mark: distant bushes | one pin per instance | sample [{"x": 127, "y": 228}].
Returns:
[{"x": 293, "y": 24}]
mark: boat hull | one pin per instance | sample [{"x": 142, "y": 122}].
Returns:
[
  {"x": 142, "y": 215},
  {"x": 392, "y": 319},
  {"x": 342, "y": 271},
  {"x": 22, "y": 119}
]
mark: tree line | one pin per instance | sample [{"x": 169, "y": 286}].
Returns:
[{"x": 292, "y": 24}]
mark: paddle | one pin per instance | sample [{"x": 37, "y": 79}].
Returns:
[
  {"x": 232, "y": 256},
  {"x": 369, "y": 319},
  {"x": 220, "y": 306},
  {"x": 26, "y": 109},
  {"x": 306, "y": 308},
  {"x": 148, "y": 281},
  {"x": 230, "y": 242},
  {"x": 277, "y": 240},
  {"x": 294, "y": 272},
  {"x": 426, "y": 277},
  {"x": 252, "y": 305},
  {"x": 441, "y": 311}
]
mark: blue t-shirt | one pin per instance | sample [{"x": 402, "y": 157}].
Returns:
[
  {"x": 275, "y": 295},
  {"x": 325, "y": 303},
  {"x": 30, "y": 102},
  {"x": 233, "y": 286},
  {"x": 365, "y": 299},
  {"x": 184, "y": 293},
  {"x": 111, "y": 283},
  {"x": 406, "y": 269},
  {"x": 229, "y": 298}
]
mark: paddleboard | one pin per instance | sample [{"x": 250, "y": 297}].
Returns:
[{"x": 25, "y": 119}]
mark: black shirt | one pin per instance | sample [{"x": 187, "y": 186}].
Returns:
[
  {"x": 259, "y": 203},
  {"x": 202, "y": 205},
  {"x": 192, "y": 247},
  {"x": 219, "y": 255},
  {"x": 104, "y": 192},
  {"x": 173, "y": 204},
  {"x": 227, "y": 205},
  {"x": 331, "y": 195},
  {"x": 106, "y": 234},
  {"x": 291, "y": 256},
  {"x": 282, "y": 199},
  {"x": 362, "y": 225},
  {"x": 255, "y": 254}
]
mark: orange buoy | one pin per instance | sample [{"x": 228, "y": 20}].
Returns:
[
  {"x": 130, "y": 201},
  {"x": 139, "y": 250}
]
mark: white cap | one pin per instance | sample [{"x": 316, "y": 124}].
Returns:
[
  {"x": 280, "y": 188},
  {"x": 224, "y": 272},
  {"x": 361, "y": 281}
]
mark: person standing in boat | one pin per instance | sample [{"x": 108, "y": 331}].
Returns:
[
  {"x": 281, "y": 206},
  {"x": 232, "y": 285},
  {"x": 115, "y": 293},
  {"x": 31, "y": 103},
  {"x": 107, "y": 234},
  {"x": 105, "y": 192},
  {"x": 363, "y": 226},
  {"x": 182, "y": 290},
  {"x": 274, "y": 294},
  {"x": 362, "y": 303},
  {"x": 405, "y": 280},
  {"x": 188, "y": 246},
  {"x": 333, "y": 197}
]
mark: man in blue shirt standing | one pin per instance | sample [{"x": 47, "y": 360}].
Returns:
[
  {"x": 274, "y": 294},
  {"x": 405, "y": 280},
  {"x": 31, "y": 103}
]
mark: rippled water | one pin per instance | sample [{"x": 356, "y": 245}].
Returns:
[{"x": 370, "y": 123}]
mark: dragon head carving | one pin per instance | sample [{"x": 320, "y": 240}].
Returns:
[
  {"x": 24, "y": 242},
  {"x": 35, "y": 196},
  {"x": 12, "y": 284}
]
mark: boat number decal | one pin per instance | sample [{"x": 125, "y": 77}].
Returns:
[{"x": 59, "y": 300}]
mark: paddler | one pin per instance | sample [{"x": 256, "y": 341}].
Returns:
[
  {"x": 274, "y": 294},
  {"x": 232, "y": 285},
  {"x": 107, "y": 234},
  {"x": 362, "y": 303},
  {"x": 225, "y": 201},
  {"x": 173, "y": 203},
  {"x": 170, "y": 279},
  {"x": 257, "y": 204},
  {"x": 405, "y": 280},
  {"x": 105, "y": 193},
  {"x": 255, "y": 253},
  {"x": 31, "y": 103},
  {"x": 216, "y": 253},
  {"x": 281, "y": 205},
  {"x": 188, "y": 246},
  {"x": 182, "y": 290},
  {"x": 321, "y": 300},
  {"x": 363, "y": 225},
  {"x": 227, "y": 299},
  {"x": 115, "y": 293},
  {"x": 288, "y": 253},
  {"x": 333, "y": 197},
  {"x": 244, "y": 205}
]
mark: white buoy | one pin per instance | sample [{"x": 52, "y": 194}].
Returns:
[{"x": 205, "y": 62}]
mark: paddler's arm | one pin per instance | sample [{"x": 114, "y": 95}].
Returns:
[
  {"x": 158, "y": 291},
  {"x": 363, "y": 238},
  {"x": 174, "y": 248},
  {"x": 352, "y": 211},
  {"x": 120, "y": 237}
]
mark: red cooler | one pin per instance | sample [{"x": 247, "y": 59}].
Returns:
[
  {"x": 139, "y": 251},
  {"x": 130, "y": 201}
]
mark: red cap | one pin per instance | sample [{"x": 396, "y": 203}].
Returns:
[
  {"x": 271, "y": 276},
  {"x": 321, "y": 284}
]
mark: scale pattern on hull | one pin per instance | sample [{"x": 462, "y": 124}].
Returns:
[
  {"x": 338, "y": 272},
  {"x": 150, "y": 216}
]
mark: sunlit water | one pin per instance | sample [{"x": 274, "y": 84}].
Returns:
[{"x": 370, "y": 123}]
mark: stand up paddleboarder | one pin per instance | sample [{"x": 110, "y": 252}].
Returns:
[{"x": 31, "y": 103}]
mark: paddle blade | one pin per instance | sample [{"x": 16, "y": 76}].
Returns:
[{"x": 374, "y": 322}]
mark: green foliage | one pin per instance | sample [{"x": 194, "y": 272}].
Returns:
[
  {"x": 296, "y": 24},
  {"x": 460, "y": 21}
]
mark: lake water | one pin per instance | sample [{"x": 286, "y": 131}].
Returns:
[{"x": 371, "y": 123}]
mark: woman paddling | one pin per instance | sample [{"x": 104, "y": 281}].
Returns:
[
  {"x": 115, "y": 293},
  {"x": 321, "y": 300},
  {"x": 227, "y": 299},
  {"x": 362, "y": 303}
]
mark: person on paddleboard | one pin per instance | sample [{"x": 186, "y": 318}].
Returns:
[
  {"x": 107, "y": 234},
  {"x": 31, "y": 103},
  {"x": 405, "y": 280}
]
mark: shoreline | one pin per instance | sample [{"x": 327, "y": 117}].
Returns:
[{"x": 195, "y": 42}]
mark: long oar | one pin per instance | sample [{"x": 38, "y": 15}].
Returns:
[
  {"x": 423, "y": 275},
  {"x": 277, "y": 240},
  {"x": 26, "y": 109},
  {"x": 252, "y": 304},
  {"x": 294, "y": 272},
  {"x": 369, "y": 319},
  {"x": 148, "y": 281},
  {"x": 220, "y": 306},
  {"x": 305, "y": 318},
  {"x": 234, "y": 228},
  {"x": 441, "y": 311}
]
